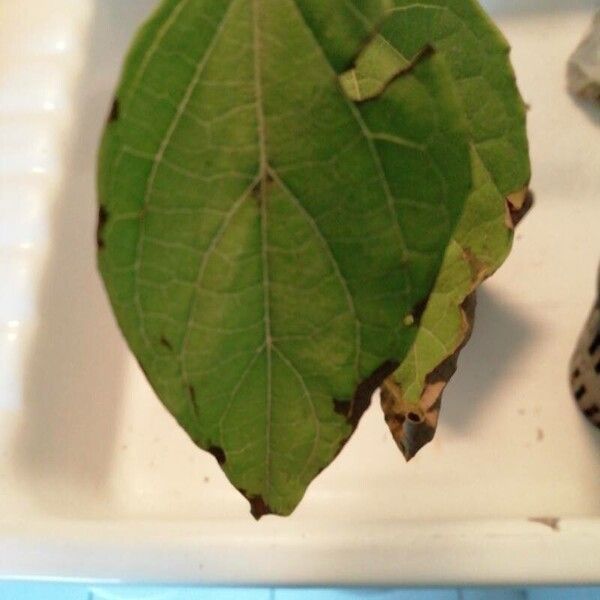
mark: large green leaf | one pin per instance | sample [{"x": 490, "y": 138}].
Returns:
[{"x": 289, "y": 191}]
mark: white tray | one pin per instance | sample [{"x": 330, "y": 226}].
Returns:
[{"x": 97, "y": 481}]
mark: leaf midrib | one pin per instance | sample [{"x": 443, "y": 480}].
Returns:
[{"x": 263, "y": 172}]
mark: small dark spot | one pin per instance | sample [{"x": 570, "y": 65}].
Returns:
[
  {"x": 597, "y": 367},
  {"x": 102, "y": 220},
  {"x": 591, "y": 412},
  {"x": 580, "y": 392},
  {"x": 165, "y": 342},
  {"x": 595, "y": 345},
  {"x": 256, "y": 191},
  {"x": 262, "y": 187},
  {"x": 539, "y": 436},
  {"x": 414, "y": 417},
  {"x": 518, "y": 214},
  {"x": 114, "y": 111},
  {"x": 576, "y": 373},
  {"x": 219, "y": 454},
  {"x": 207, "y": 480}
]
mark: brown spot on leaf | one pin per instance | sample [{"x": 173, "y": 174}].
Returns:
[
  {"x": 552, "y": 522},
  {"x": 166, "y": 343},
  {"x": 414, "y": 426},
  {"x": 115, "y": 111},
  {"x": 258, "y": 507},
  {"x": 480, "y": 271},
  {"x": 262, "y": 187},
  {"x": 219, "y": 454},
  {"x": 102, "y": 220},
  {"x": 517, "y": 206}
]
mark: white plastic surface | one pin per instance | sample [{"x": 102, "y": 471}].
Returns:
[{"x": 97, "y": 481}]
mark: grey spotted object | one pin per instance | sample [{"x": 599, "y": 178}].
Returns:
[
  {"x": 584, "y": 65},
  {"x": 585, "y": 366}
]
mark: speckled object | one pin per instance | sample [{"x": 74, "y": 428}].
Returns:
[
  {"x": 585, "y": 366},
  {"x": 584, "y": 65}
]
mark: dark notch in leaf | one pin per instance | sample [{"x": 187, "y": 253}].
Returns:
[
  {"x": 353, "y": 410},
  {"x": 102, "y": 220},
  {"x": 258, "y": 507},
  {"x": 414, "y": 426},
  {"x": 115, "y": 111},
  {"x": 518, "y": 205},
  {"x": 219, "y": 454}
]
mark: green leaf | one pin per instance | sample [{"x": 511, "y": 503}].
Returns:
[{"x": 284, "y": 185}]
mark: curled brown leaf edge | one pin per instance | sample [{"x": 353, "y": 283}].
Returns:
[{"x": 413, "y": 425}]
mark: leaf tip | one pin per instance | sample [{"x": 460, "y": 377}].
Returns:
[
  {"x": 259, "y": 508},
  {"x": 413, "y": 424}
]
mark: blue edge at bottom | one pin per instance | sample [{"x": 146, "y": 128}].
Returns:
[{"x": 63, "y": 591}]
